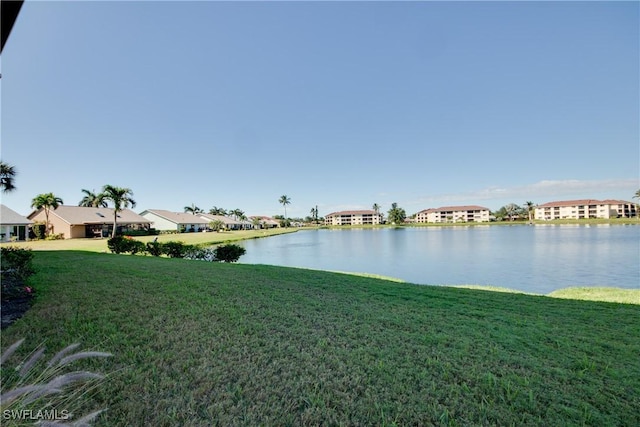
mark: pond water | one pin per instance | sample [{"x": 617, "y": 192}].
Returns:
[{"x": 537, "y": 259}]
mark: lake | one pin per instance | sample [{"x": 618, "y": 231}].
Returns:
[{"x": 529, "y": 258}]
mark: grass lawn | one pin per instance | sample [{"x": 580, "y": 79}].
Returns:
[
  {"x": 100, "y": 245},
  {"x": 198, "y": 344}
]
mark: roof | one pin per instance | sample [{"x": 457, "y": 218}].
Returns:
[
  {"x": 76, "y": 215},
  {"x": 177, "y": 217},
  {"x": 360, "y": 212},
  {"x": 11, "y": 217},
  {"x": 225, "y": 219},
  {"x": 455, "y": 208},
  {"x": 583, "y": 202},
  {"x": 266, "y": 219}
]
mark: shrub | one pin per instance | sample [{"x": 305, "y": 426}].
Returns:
[
  {"x": 154, "y": 248},
  {"x": 120, "y": 244},
  {"x": 37, "y": 231},
  {"x": 174, "y": 249},
  {"x": 59, "y": 236},
  {"x": 198, "y": 253},
  {"x": 229, "y": 253},
  {"x": 16, "y": 261},
  {"x": 117, "y": 244}
]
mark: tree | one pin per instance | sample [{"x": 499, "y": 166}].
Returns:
[
  {"x": 284, "y": 201},
  {"x": 238, "y": 214},
  {"x": 637, "y": 196},
  {"x": 314, "y": 214},
  {"x": 217, "y": 211},
  {"x": 121, "y": 199},
  {"x": 92, "y": 200},
  {"x": 7, "y": 176},
  {"x": 193, "y": 209},
  {"x": 376, "y": 209},
  {"x": 216, "y": 225},
  {"x": 530, "y": 206},
  {"x": 396, "y": 214},
  {"x": 46, "y": 201},
  {"x": 510, "y": 211},
  {"x": 256, "y": 222}
]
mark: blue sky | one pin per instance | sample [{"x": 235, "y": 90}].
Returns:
[{"x": 335, "y": 104}]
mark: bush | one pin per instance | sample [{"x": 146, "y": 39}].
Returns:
[
  {"x": 174, "y": 249},
  {"x": 37, "y": 231},
  {"x": 154, "y": 248},
  {"x": 229, "y": 253},
  {"x": 202, "y": 254},
  {"x": 120, "y": 244},
  {"x": 16, "y": 261}
]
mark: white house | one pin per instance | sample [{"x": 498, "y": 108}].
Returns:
[
  {"x": 229, "y": 223},
  {"x": 175, "y": 221},
  {"x": 13, "y": 226},
  {"x": 471, "y": 213}
]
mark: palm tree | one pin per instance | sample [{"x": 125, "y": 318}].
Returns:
[
  {"x": 396, "y": 214},
  {"x": 121, "y": 199},
  {"x": 314, "y": 214},
  {"x": 530, "y": 206},
  {"x": 92, "y": 200},
  {"x": 46, "y": 201},
  {"x": 193, "y": 209},
  {"x": 284, "y": 201},
  {"x": 7, "y": 175},
  {"x": 376, "y": 209},
  {"x": 217, "y": 211},
  {"x": 637, "y": 196},
  {"x": 237, "y": 214}
]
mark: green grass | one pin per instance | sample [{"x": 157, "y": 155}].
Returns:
[
  {"x": 100, "y": 245},
  {"x": 199, "y": 343}
]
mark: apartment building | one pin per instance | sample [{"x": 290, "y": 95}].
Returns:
[
  {"x": 364, "y": 217},
  {"x": 470, "y": 213},
  {"x": 585, "y": 208}
]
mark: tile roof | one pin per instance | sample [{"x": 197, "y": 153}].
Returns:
[
  {"x": 76, "y": 215},
  {"x": 580, "y": 202},
  {"x": 177, "y": 217},
  {"x": 225, "y": 219},
  {"x": 357, "y": 212},
  {"x": 11, "y": 217},
  {"x": 455, "y": 209}
]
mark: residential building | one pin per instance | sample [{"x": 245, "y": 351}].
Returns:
[
  {"x": 585, "y": 208},
  {"x": 13, "y": 226},
  {"x": 471, "y": 213},
  {"x": 361, "y": 217},
  {"x": 79, "y": 221},
  {"x": 175, "y": 221},
  {"x": 229, "y": 223},
  {"x": 265, "y": 221}
]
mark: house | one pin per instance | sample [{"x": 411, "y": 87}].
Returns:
[
  {"x": 361, "y": 217},
  {"x": 229, "y": 223},
  {"x": 265, "y": 221},
  {"x": 585, "y": 208},
  {"x": 79, "y": 221},
  {"x": 471, "y": 213},
  {"x": 175, "y": 221},
  {"x": 13, "y": 226}
]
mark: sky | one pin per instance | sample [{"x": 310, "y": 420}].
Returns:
[{"x": 338, "y": 105}]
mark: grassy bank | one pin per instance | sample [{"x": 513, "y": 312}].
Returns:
[
  {"x": 100, "y": 245},
  {"x": 198, "y": 343}
]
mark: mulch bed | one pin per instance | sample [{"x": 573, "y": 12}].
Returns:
[{"x": 15, "y": 300}]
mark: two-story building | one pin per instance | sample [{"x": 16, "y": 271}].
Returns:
[{"x": 471, "y": 213}]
